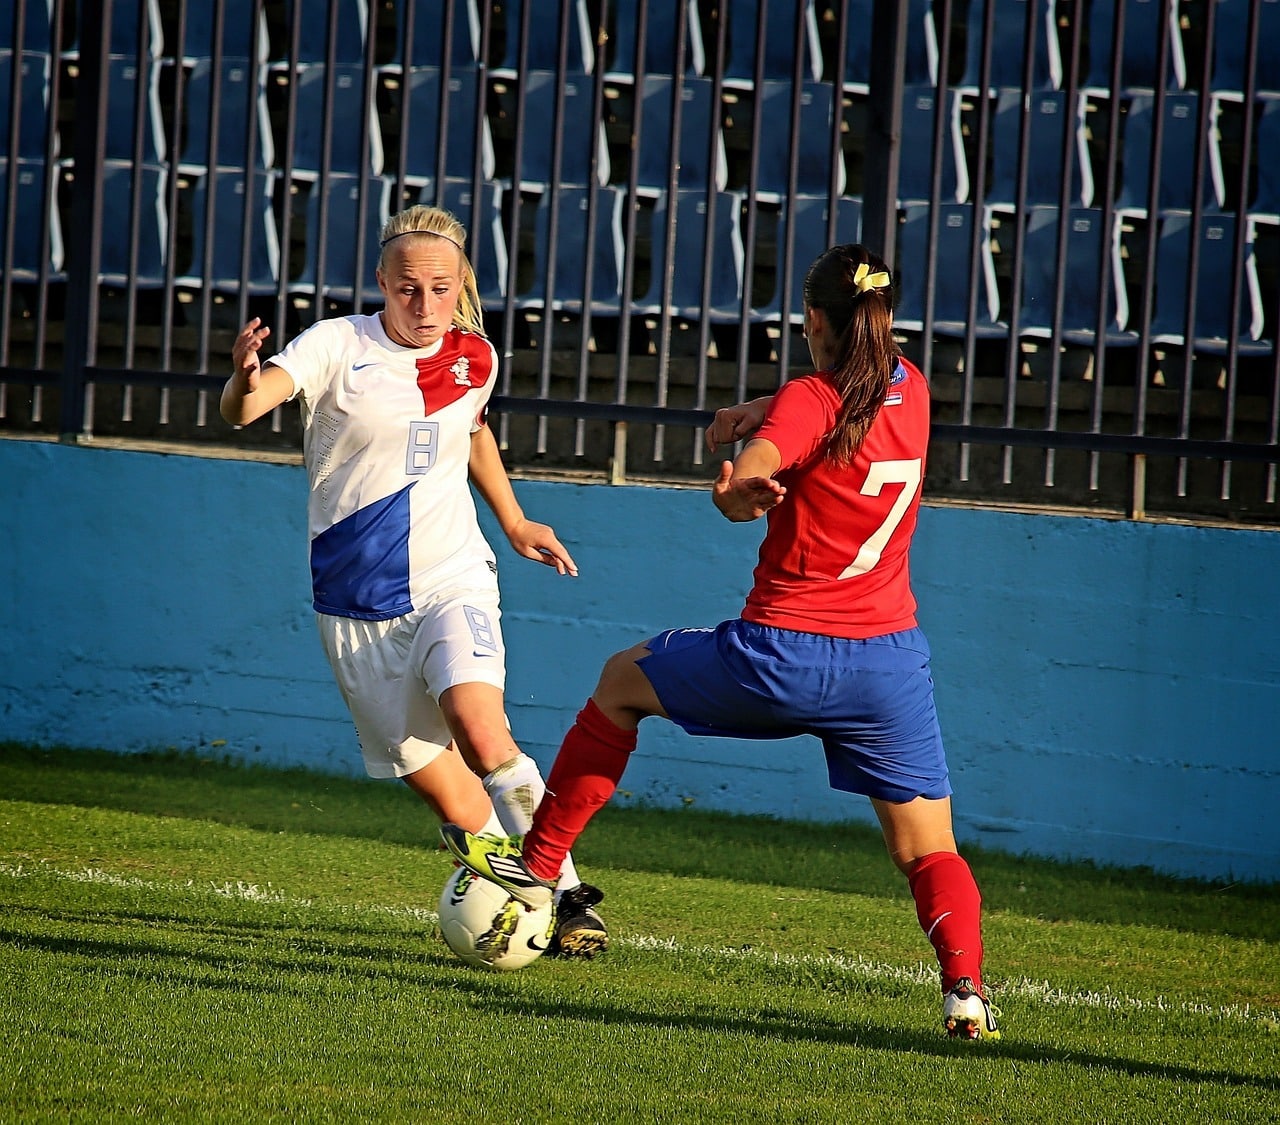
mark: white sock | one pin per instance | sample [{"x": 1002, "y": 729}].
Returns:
[
  {"x": 516, "y": 788},
  {"x": 492, "y": 826}
]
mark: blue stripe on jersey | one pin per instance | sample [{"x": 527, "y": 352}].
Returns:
[{"x": 360, "y": 565}]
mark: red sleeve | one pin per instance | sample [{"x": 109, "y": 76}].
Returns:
[{"x": 799, "y": 418}]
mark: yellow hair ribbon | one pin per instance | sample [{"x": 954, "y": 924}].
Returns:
[{"x": 864, "y": 280}]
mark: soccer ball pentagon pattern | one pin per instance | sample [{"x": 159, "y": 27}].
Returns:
[{"x": 489, "y": 929}]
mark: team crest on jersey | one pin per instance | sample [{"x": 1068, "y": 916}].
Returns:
[{"x": 461, "y": 371}]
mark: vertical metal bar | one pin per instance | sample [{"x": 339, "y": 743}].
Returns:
[
  {"x": 793, "y": 165},
  {"x": 84, "y": 254},
  {"x": 884, "y": 127}
]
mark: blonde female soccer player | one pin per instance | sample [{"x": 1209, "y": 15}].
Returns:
[
  {"x": 827, "y": 643},
  {"x": 405, "y": 586}
]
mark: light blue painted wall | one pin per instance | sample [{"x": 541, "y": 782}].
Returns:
[{"x": 1108, "y": 690}]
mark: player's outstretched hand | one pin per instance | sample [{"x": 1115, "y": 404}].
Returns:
[
  {"x": 244, "y": 353},
  {"x": 537, "y": 541},
  {"x": 736, "y": 423},
  {"x": 745, "y": 498}
]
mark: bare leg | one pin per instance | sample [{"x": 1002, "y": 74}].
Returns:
[
  {"x": 452, "y": 790},
  {"x": 915, "y": 829},
  {"x": 623, "y": 692}
]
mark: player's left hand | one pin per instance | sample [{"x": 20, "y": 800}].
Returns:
[
  {"x": 538, "y": 542},
  {"x": 742, "y": 499}
]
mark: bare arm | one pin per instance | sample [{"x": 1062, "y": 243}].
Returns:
[
  {"x": 734, "y": 423},
  {"x": 533, "y": 540},
  {"x": 252, "y": 390},
  {"x": 745, "y": 489}
]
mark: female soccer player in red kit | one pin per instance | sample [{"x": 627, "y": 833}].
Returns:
[{"x": 827, "y": 643}]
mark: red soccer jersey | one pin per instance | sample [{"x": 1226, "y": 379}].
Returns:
[{"x": 834, "y": 558}]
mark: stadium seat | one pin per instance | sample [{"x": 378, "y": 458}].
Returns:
[
  {"x": 351, "y": 27},
  {"x": 1008, "y": 35},
  {"x": 950, "y": 285},
  {"x": 428, "y": 32},
  {"x": 428, "y": 107},
  {"x": 1265, "y": 206},
  {"x": 694, "y": 239},
  {"x": 701, "y": 162},
  {"x": 1146, "y": 22},
  {"x": 37, "y": 29},
  {"x": 578, "y": 244},
  {"x": 31, "y": 115},
  {"x": 804, "y": 219},
  {"x": 1230, "y": 44},
  {"x": 1088, "y": 243},
  {"x": 659, "y": 40},
  {"x": 129, "y": 20},
  {"x": 486, "y": 239},
  {"x": 1214, "y": 270},
  {"x": 1179, "y": 142},
  {"x": 775, "y": 35},
  {"x": 1049, "y": 120},
  {"x": 243, "y": 36},
  {"x": 343, "y": 92},
  {"x": 129, "y": 253},
  {"x": 811, "y": 149},
  {"x": 218, "y": 206},
  {"x": 133, "y": 106},
  {"x": 542, "y": 51},
  {"x": 575, "y": 122},
  {"x": 334, "y": 256},
  {"x": 240, "y": 91},
  {"x": 915, "y": 154},
  {"x": 921, "y": 56},
  {"x": 35, "y": 244}
]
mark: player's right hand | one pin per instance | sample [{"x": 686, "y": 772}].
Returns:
[
  {"x": 244, "y": 353},
  {"x": 735, "y": 423}
]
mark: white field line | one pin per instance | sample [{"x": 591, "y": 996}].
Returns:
[{"x": 1041, "y": 992}]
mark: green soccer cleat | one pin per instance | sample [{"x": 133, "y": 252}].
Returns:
[
  {"x": 966, "y": 1013},
  {"x": 497, "y": 859}
]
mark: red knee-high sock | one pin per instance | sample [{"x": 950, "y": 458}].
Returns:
[
  {"x": 950, "y": 911},
  {"x": 585, "y": 774}
]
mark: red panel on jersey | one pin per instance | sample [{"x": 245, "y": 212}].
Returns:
[{"x": 461, "y": 364}]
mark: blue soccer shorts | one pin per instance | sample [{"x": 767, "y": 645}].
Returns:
[{"x": 870, "y": 702}]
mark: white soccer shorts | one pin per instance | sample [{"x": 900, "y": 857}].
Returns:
[{"x": 392, "y": 673}]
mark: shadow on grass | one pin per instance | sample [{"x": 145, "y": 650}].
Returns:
[{"x": 677, "y": 842}]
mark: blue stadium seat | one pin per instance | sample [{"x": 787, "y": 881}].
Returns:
[
  {"x": 915, "y": 154},
  {"x": 686, "y": 273},
  {"x": 129, "y": 255},
  {"x": 35, "y": 245},
  {"x": 1230, "y": 41},
  {"x": 427, "y": 108},
  {"x": 1008, "y": 34},
  {"x": 221, "y": 210},
  {"x": 950, "y": 285},
  {"x": 244, "y": 36},
  {"x": 37, "y": 30},
  {"x": 804, "y": 219},
  {"x": 1180, "y": 139},
  {"x": 126, "y": 85},
  {"x": 659, "y": 40},
  {"x": 486, "y": 238},
  {"x": 1146, "y": 22},
  {"x": 31, "y": 114},
  {"x": 577, "y": 124},
  {"x": 1088, "y": 245},
  {"x": 542, "y": 52},
  {"x": 1265, "y": 206},
  {"x": 336, "y": 235},
  {"x": 776, "y": 36},
  {"x": 351, "y": 102},
  {"x": 350, "y": 37},
  {"x": 701, "y": 161},
  {"x": 1050, "y": 119},
  {"x": 129, "y": 19},
  {"x": 426, "y": 49},
  {"x": 241, "y": 90},
  {"x": 812, "y": 141},
  {"x": 921, "y": 57},
  {"x": 572, "y": 254},
  {"x": 1216, "y": 246}
]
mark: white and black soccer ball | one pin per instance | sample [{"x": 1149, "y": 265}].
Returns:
[{"x": 489, "y": 929}]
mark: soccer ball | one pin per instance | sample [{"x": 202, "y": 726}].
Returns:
[{"x": 489, "y": 929}]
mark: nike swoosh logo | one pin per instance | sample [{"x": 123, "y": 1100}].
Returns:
[{"x": 362, "y": 366}]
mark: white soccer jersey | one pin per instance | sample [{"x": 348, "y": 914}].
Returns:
[{"x": 387, "y": 440}]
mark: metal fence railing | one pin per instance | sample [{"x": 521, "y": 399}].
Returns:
[{"x": 1080, "y": 198}]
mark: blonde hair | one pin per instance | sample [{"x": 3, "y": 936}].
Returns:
[{"x": 438, "y": 223}]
